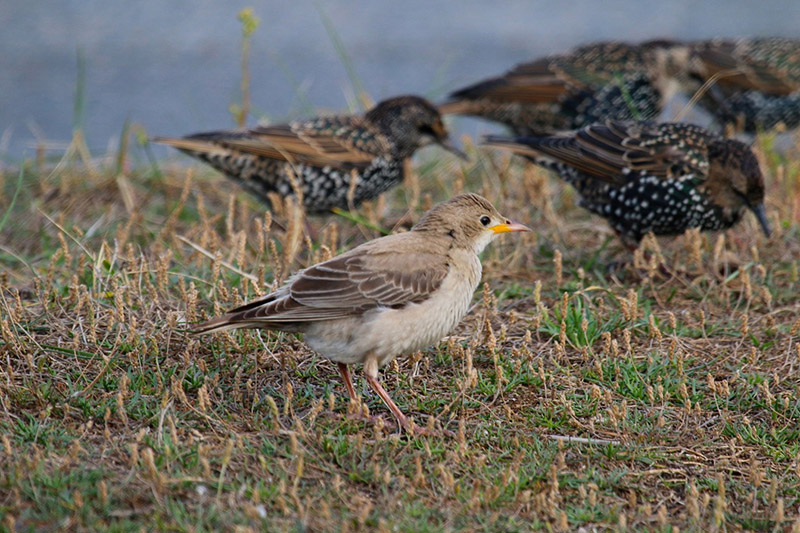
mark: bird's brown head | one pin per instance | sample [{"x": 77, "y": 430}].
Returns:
[
  {"x": 469, "y": 219},
  {"x": 411, "y": 122},
  {"x": 735, "y": 181}
]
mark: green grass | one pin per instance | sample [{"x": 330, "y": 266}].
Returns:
[{"x": 113, "y": 417}]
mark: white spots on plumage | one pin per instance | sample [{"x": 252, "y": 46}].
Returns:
[
  {"x": 322, "y": 187},
  {"x": 649, "y": 203}
]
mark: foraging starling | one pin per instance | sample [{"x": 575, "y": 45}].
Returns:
[
  {"x": 390, "y": 296},
  {"x": 644, "y": 176},
  {"x": 607, "y": 80},
  {"x": 754, "y": 83},
  {"x": 318, "y": 159}
]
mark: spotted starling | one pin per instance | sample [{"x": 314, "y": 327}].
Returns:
[
  {"x": 646, "y": 176},
  {"x": 319, "y": 159},
  {"x": 754, "y": 83},
  {"x": 606, "y": 80},
  {"x": 388, "y": 297}
]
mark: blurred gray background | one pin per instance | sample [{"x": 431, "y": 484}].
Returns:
[{"x": 174, "y": 66}]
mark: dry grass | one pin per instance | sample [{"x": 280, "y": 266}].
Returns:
[{"x": 681, "y": 390}]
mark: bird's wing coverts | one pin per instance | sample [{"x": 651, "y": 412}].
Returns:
[
  {"x": 613, "y": 151},
  {"x": 337, "y": 141}
]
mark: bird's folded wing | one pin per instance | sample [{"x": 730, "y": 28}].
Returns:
[
  {"x": 589, "y": 67},
  {"x": 350, "y": 285},
  {"x": 532, "y": 83},
  {"x": 549, "y": 79},
  {"x": 600, "y": 64},
  {"x": 338, "y": 141},
  {"x": 334, "y": 141},
  {"x": 615, "y": 151}
]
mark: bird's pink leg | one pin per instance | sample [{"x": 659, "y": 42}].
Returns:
[
  {"x": 371, "y": 373},
  {"x": 398, "y": 414},
  {"x": 345, "y": 373}
]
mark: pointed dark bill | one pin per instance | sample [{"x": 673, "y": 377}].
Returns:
[
  {"x": 450, "y": 148},
  {"x": 761, "y": 215}
]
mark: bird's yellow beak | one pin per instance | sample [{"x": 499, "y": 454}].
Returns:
[{"x": 509, "y": 226}]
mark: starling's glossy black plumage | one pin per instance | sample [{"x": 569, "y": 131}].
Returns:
[
  {"x": 607, "y": 80},
  {"x": 644, "y": 176},
  {"x": 756, "y": 81},
  {"x": 319, "y": 158}
]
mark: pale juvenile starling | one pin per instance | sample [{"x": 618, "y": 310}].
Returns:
[
  {"x": 331, "y": 161},
  {"x": 753, "y": 82},
  {"x": 606, "y": 80},
  {"x": 645, "y": 176},
  {"x": 390, "y": 296}
]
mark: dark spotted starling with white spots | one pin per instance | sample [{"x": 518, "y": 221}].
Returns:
[
  {"x": 599, "y": 81},
  {"x": 754, "y": 83},
  {"x": 329, "y": 162},
  {"x": 646, "y": 176}
]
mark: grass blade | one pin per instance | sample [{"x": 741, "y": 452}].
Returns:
[
  {"x": 344, "y": 57},
  {"x": 10, "y": 207}
]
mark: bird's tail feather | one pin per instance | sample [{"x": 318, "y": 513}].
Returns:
[
  {"x": 226, "y": 322},
  {"x": 237, "y": 318},
  {"x": 192, "y": 145},
  {"x": 220, "y": 323}
]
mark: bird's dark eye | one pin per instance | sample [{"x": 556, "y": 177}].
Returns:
[{"x": 485, "y": 220}]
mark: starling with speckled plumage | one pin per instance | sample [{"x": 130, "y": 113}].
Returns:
[
  {"x": 329, "y": 162},
  {"x": 594, "y": 82},
  {"x": 645, "y": 176},
  {"x": 754, "y": 82}
]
